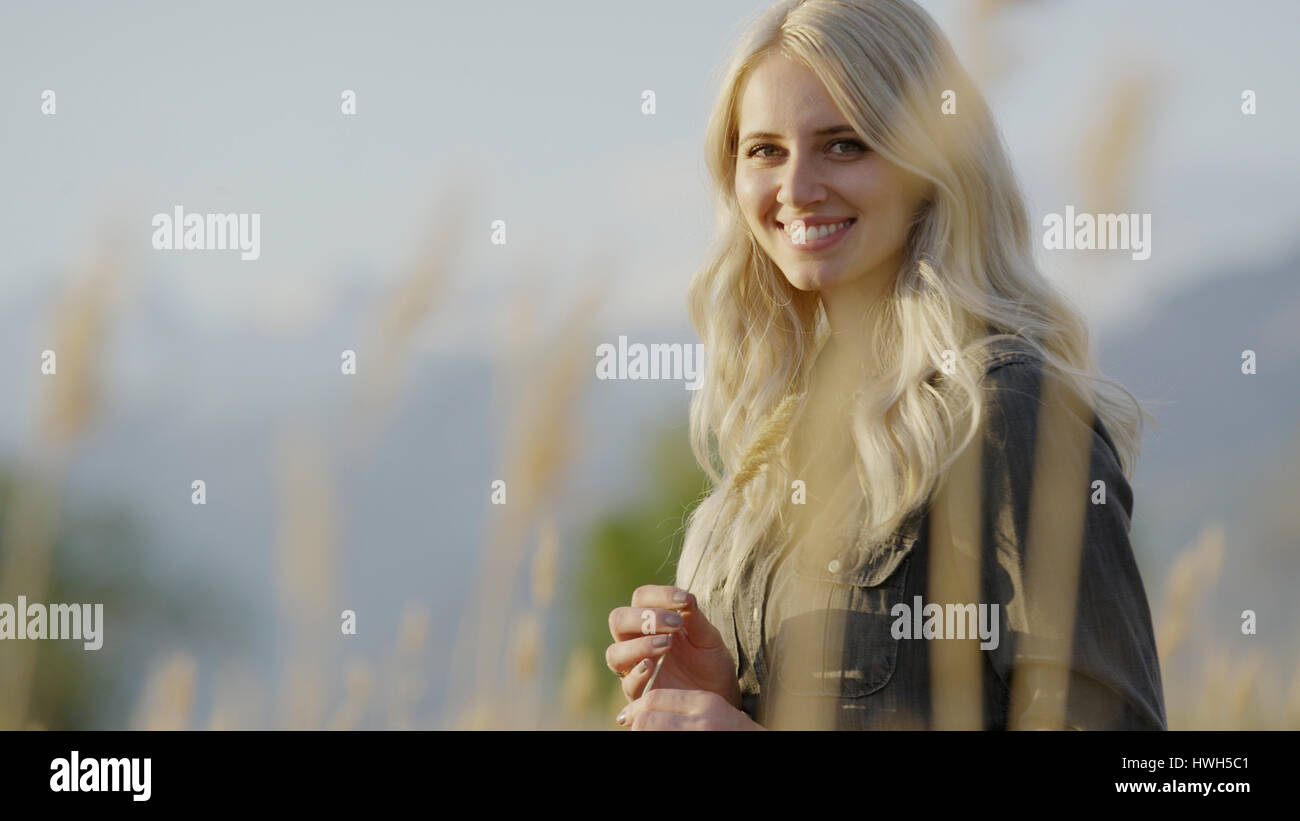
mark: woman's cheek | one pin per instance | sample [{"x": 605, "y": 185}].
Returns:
[
  {"x": 746, "y": 205},
  {"x": 885, "y": 219}
]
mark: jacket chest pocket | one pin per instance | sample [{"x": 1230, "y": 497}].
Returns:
[{"x": 835, "y": 638}]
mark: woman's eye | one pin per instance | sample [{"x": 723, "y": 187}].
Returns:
[{"x": 854, "y": 147}]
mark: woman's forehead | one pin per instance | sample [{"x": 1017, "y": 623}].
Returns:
[{"x": 786, "y": 94}]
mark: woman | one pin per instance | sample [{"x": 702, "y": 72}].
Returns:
[{"x": 920, "y": 505}]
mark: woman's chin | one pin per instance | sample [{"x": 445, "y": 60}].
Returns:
[
  {"x": 804, "y": 285},
  {"x": 811, "y": 282}
]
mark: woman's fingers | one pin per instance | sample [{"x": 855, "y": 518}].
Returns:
[
  {"x": 635, "y": 681},
  {"x": 701, "y": 631},
  {"x": 664, "y": 709},
  {"x": 629, "y": 622},
  {"x": 663, "y": 595},
  {"x": 623, "y": 656},
  {"x": 684, "y": 710},
  {"x": 661, "y": 722}
]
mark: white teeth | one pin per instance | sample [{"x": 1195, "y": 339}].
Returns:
[{"x": 816, "y": 232}]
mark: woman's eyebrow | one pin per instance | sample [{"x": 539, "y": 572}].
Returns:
[{"x": 821, "y": 132}]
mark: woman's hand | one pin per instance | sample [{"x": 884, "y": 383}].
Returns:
[
  {"x": 666, "y": 621},
  {"x": 684, "y": 710}
]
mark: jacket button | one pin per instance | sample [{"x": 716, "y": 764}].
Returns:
[{"x": 834, "y": 566}]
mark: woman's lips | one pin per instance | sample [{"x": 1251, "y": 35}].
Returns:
[{"x": 819, "y": 243}]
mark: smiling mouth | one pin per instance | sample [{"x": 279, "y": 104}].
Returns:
[{"x": 817, "y": 236}]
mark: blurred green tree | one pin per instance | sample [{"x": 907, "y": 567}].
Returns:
[
  {"x": 100, "y": 555},
  {"x": 638, "y": 543}
]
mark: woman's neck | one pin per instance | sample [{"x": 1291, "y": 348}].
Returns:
[{"x": 849, "y": 306}]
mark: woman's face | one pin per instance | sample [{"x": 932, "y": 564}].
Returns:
[{"x": 799, "y": 159}]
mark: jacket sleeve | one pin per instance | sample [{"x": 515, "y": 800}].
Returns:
[{"x": 1111, "y": 679}]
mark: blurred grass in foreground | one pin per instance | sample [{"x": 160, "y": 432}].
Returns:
[{"x": 502, "y": 673}]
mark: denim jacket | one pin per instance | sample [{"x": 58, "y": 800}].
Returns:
[{"x": 818, "y": 637}]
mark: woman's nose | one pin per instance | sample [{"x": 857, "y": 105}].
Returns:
[{"x": 801, "y": 183}]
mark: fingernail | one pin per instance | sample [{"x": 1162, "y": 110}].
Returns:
[
  {"x": 661, "y": 641},
  {"x": 672, "y": 620},
  {"x": 644, "y": 666},
  {"x": 621, "y": 717},
  {"x": 680, "y": 596}
]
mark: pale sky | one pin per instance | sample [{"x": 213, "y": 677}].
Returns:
[{"x": 234, "y": 107}]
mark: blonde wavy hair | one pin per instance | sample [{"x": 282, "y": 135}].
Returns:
[{"x": 968, "y": 279}]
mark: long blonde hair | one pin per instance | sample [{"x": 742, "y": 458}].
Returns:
[{"x": 968, "y": 279}]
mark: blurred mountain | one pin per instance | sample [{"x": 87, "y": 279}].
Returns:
[{"x": 1223, "y": 438}]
